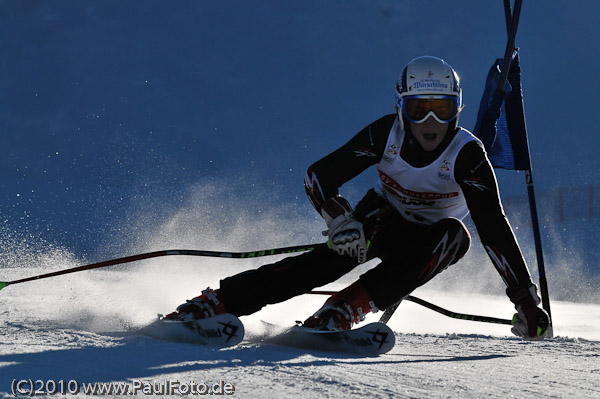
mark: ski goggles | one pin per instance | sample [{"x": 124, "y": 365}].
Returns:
[{"x": 418, "y": 108}]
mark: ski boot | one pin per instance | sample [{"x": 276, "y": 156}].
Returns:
[
  {"x": 209, "y": 304},
  {"x": 342, "y": 310}
]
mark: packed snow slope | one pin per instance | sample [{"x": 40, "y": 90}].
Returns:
[
  {"x": 81, "y": 327},
  {"x": 80, "y": 331},
  {"x": 130, "y": 127}
]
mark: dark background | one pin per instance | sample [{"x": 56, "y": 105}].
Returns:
[{"x": 112, "y": 112}]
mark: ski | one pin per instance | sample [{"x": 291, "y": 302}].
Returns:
[
  {"x": 220, "y": 331},
  {"x": 371, "y": 340}
]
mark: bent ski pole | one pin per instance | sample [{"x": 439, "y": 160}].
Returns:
[
  {"x": 454, "y": 315},
  {"x": 462, "y": 316},
  {"x": 156, "y": 254}
]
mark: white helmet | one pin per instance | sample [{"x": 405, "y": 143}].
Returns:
[{"x": 432, "y": 82}]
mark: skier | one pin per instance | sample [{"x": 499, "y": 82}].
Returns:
[{"x": 432, "y": 173}]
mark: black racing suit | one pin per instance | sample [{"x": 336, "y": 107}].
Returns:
[{"x": 410, "y": 254}]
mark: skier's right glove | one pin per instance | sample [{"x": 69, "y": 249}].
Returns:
[
  {"x": 346, "y": 237},
  {"x": 530, "y": 322}
]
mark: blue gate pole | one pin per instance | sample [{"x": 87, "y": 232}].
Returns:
[{"x": 513, "y": 19}]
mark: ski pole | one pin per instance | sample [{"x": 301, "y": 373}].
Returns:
[
  {"x": 462, "y": 316},
  {"x": 454, "y": 315},
  {"x": 388, "y": 313},
  {"x": 156, "y": 254}
]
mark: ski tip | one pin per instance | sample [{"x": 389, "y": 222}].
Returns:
[{"x": 3, "y": 284}]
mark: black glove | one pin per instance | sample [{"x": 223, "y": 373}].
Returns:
[{"x": 530, "y": 322}]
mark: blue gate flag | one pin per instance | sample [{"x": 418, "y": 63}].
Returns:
[{"x": 501, "y": 119}]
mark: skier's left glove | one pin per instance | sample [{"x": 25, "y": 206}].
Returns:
[
  {"x": 530, "y": 322},
  {"x": 347, "y": 237}
]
